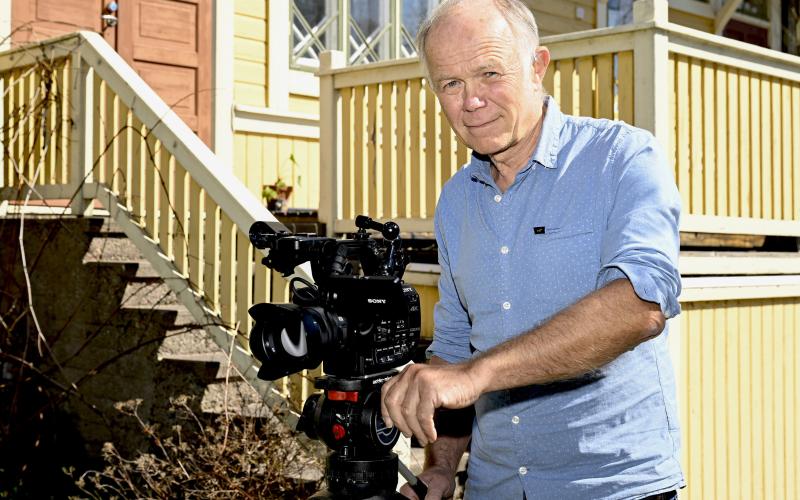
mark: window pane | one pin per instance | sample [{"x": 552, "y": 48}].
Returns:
[
  {"x": 313, "y": 30},
  {"x": 755, "y": 8},
  {"x": 620, "y": 12}
]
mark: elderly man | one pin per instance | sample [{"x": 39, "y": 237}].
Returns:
[{"x": 558, "y": 247}]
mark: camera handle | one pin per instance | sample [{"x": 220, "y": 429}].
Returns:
[{"x": 390, "y": 231}]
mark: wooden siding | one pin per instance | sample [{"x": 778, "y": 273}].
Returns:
[
  {"x": 260, "y": 159},
  {"x": 736, "y": 141},
  {"x": 556, "y": 17},
  {"x": 304, "y": 104},
  {"x": 691, "y": 20},
  {"x": 739, "y": 381},
  {"x": 250, "y": 52}
]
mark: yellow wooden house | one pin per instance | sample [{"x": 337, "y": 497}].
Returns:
[{"x": 330, "y": 97}]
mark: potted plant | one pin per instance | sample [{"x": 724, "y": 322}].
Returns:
[{"x": 276, "y": 195}]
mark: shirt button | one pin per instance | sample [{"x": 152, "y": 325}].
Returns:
[
  {"x": 498, "y": 198},
  {"x": 515, "y": 419},
  {"x": 503, "y": 249},
  {"x": 506, "y": 305},
  {"x": 523, "y": 470}
]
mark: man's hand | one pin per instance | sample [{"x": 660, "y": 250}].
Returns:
[
  {"x": 408, "y": 400},
  {"x": 441, "y": 483}
]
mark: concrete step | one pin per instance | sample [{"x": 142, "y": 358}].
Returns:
[
  {"x": 190, "y": 344},
  {"x": 139, "y": 294},
  {"x": 112, "y": 249}
]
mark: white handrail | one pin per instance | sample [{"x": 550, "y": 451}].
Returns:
[{"x": 199, "y": 161}]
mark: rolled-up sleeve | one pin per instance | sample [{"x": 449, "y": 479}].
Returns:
[
  {"x": 452, "y": 326},
  {"x": 642, "y": 239}
]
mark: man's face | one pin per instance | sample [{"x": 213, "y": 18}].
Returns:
[{"x": 490, "y": 93}]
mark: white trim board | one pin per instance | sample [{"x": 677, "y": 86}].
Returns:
[{"x": 275, "y": 122}]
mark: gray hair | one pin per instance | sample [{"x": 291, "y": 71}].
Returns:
[{"x": 517, "y": 14}]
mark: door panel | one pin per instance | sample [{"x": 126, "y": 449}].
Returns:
[
  {"x": 176, "y": 85},
  {"x": 33, "y": 20},
  {"x": 168, "y": 42}
]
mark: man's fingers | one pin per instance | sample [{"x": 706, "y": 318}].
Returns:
[
  {"x": 392, "y": 401},
  {"x": 410, "y": 414},
  {"x": 407, "y": 492},
  {"x": 387, "y": 418},
  {"x": 425, "y": 412}
]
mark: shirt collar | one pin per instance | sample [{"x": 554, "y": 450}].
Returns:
[{"x": 546, "y": 150}]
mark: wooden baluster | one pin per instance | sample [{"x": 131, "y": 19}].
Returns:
[
  {"x": 401, "y": 111},
  {"x": 181, "y": 220},
  {"x": 604, "y": 97},
  {"x": 244, "y": 282},
  {"x": 227, "y": 279},
  {"x": 348, "y": 167},
  {"x": 416, "y": 179},
  {"x": 138, "y": 165},
  {"x": 166, "y": 202},
  {"x": 432, "y": 158},
  {"x": 388, "y": 181},
  {"x": 195, "y": 234},
  {"x": 152, "y": 186},
  {"x": 211, "y": 253},
  {"x": 625, "y": 86},
  {"x": 100, "y": 152},
  {"x": 359, "y": 167}
]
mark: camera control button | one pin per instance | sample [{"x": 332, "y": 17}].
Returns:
[
  {"x": 503, "y": 249},
  {"x": 506, "y": 305},
  {"x": 515, "y": 419},
  {"x": 523, "y": 471},
  {"x": 498, "y": 198}
]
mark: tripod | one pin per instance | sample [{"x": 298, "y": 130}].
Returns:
[{"x": 347, "y": 418}]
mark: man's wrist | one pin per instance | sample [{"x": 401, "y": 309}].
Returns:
[{"x": 480, "y": 373}]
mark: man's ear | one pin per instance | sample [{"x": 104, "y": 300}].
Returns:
[{"x": 540, "y": 63}]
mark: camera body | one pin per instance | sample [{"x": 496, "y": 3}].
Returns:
[{"x": 360, "y": 320}]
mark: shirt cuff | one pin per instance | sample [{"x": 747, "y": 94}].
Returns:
[
  {"x": 646, "y": 287},
  {"x": 448, "y": 351}
]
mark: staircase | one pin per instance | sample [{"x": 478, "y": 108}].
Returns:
[
  {"x": 184, "y": 339},
  {"x": 81, "y": 126}
]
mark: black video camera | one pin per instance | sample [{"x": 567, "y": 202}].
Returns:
[{"x": 360, "y": 321}]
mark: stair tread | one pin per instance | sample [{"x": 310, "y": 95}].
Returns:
[
  {"x": 112, "y": 249},
  {"x": 190, "y": 344},
  {"x": 148, "y": 293}
]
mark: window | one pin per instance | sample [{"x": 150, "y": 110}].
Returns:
[{"x": 370, "y": 31}]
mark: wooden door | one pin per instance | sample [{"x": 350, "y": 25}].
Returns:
[
  {"x": 168, "y": 42},
  {"x": 33, "y": 20}
]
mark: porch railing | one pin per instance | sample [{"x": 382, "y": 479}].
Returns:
[
  {"x": 79, "y": 124},
  {"x": 727, "y": 114}
]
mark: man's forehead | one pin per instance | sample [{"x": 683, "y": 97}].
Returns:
[{"x": 472, "y": 17}]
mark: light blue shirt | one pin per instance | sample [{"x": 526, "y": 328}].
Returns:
[{"x": 595, "y": 203}]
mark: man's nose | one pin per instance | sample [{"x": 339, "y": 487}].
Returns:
[{"x": 473, "y": 100}]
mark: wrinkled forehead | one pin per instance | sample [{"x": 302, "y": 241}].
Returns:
[{"x": 468, "y": 21}]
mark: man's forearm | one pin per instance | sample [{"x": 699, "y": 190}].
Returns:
[{"x": 587, "y": 335}]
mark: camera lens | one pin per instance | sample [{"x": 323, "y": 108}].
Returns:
[{"x": 287, "y": 338}]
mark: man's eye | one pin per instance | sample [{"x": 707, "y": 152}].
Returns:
[
  {"x": 490, "y": 74},
  {"x": 451, "y": 85}
]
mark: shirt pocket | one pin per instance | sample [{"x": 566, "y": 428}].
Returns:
[{"x": 566, "y": 262}]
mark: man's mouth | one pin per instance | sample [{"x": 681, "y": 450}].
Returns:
[{"x": 480, "y": 125}]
